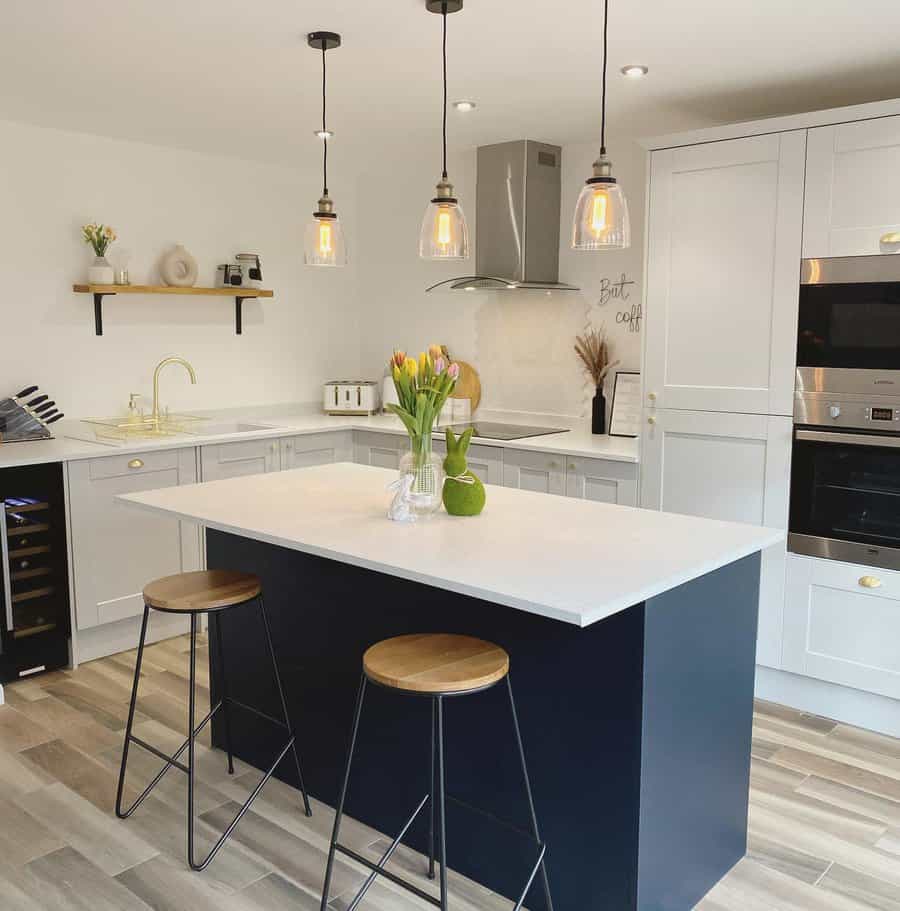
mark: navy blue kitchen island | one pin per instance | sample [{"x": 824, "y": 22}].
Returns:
[{"x": 636, "y": 716}]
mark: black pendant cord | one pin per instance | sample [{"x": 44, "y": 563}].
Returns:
[
  {"x": 324, "y": 131},
  {"x": 444, "y": 52},
  {"x": 603, "y": 95}
]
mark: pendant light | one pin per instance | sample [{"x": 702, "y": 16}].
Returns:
[
  {"x": 444, "y": 233},
  {"x": 601, "y": 214},
  {"x": 324, "y": 241}
]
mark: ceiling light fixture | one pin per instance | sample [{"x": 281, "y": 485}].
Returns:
[
  {"x": 634, "y": 70},
  {"x": 324, "y": 241},
  {"x": 465, "y": 105},
  {"x": 444, "y": 233},
  {"x": 601, "y": 213}
]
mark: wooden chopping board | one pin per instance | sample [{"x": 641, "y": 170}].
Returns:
[{"x": 468, "y": 386}]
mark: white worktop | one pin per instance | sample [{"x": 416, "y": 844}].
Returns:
[
  {"x": 560, "y": 557},
  {"x": 75, "y": 440}
]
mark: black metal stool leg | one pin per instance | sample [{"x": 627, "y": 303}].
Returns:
[
  {"x": 287, "y": 718},
  {"x": 191, "y": 735},
  {"x": 431, "y": 792},
  {"x": 223, "y": 678},
  {"x": 442, "y": 799},
  {"x": 533, "y": 813},
  {"x": 339, "y": 810},
  {"x": 124, "y": 814}
]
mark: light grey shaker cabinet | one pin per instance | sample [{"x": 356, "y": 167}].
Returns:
[
  {"x": 383, "y": 450},
  {"x": 234, "y": 460},
  {"x": 316, "y": 449},
  {"x": 485, "y": 462},
  {"x": 539, "y": 471},
  {"x": 117, "y": 550},
  {"x": 852, "y": 202},
  {"x": 602, "y": 480}
]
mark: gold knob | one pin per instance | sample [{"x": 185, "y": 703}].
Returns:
[
  {"x": 870, "y": 582},
  {"x": 651, "y": 420},
  {"x": 571, "y": 466},
  {"x": 892, "y": 237},
  {"x": 651, "y": 396},
  {"x": 135, "y": 463}
]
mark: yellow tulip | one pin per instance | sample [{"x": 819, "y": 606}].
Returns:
[
  {"x": 423, "y": 363},
  {"x": 396, "y": 373},
  {"x": 434, "y": 352},
  {"x": 412, "y": 368}
]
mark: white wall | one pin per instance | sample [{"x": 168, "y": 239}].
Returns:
[
  {"x": 51, "y": 182},
  {"x": 521, "y": 343}
]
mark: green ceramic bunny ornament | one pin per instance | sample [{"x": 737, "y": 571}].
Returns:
[{"x": 463, "y": 492}]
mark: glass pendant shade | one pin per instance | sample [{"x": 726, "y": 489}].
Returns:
[
  {"x": 324, "y": 243},
  {"x": 601, "y": 217},
  {"x": 444, "y": 234}
]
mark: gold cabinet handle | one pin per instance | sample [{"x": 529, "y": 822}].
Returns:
[
  {"x": 651, "y": 396},
  {"x": 870, "y": 582},
  {"x": 571, "y": 466},
  {"x": 892, "y": 237},
  {"x": 136, "y": 463},
  {"x": 651, "y": 420}
]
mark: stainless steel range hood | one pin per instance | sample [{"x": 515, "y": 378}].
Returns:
[{"x": 517, "y": 214}]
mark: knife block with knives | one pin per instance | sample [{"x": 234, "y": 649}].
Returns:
[{"x": 22, "y": 420}]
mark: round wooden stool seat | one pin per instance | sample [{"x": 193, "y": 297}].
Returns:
[
  {"x": 205, "y": 590},
  {"x": 436, "y": 663}
]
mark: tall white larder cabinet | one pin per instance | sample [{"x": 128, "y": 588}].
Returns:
[{"x": 723, "y": 273}]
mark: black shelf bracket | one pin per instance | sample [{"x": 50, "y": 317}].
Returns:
[
  {"x": 98, "y": 311},
  {"x": 239, "y": 312}
]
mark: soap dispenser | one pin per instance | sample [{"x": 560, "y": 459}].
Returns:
[{"x": 134, "y": 415}]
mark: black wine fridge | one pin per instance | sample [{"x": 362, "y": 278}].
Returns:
[{"x": 34, "y": 578}]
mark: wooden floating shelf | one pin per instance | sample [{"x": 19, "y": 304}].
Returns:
[{"x": 100, "y": 291}]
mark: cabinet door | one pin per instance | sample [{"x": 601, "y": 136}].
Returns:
[
  {"x": 485, "y": 462},
  {"x": 734, "y": 467},
  {"x": 842, "y": 624},
  {"x": 540, "y": 471},
  {"x": 601, "y": 480},
  {"x": 381, "y": 449},
  {"x": 852, "y": 200},
  {"x": 723, "y": 274},
  {"x": 117, "y": 550},
  {"x": 316, "y": 449},
  {"x": 233, "y": 460}
]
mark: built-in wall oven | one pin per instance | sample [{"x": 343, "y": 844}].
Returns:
[{"x": 845, "y": 471}]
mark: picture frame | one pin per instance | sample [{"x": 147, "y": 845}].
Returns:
[{"x": 625, "y": 415}]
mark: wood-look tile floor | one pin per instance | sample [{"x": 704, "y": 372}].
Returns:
[{"x": 824, "y": 813}]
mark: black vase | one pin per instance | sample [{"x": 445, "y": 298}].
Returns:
[{"x": 598, "y": 412}]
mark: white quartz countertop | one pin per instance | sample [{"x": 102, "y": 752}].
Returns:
[
  {"x": 572, "y": 560},
  {"x": 75, "y": 440}
]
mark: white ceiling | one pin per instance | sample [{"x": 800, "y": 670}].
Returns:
[{"x": 237, "y": 77}]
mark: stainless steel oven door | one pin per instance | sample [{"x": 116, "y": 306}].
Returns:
[{"x": 845, "y": 496}]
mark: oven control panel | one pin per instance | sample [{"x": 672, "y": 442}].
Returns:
[{"x": 847, "y": 412}]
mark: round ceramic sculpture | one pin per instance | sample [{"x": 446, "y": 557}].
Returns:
[{"x": 178, "y": 268}]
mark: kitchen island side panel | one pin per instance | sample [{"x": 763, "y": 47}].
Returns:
[
  {"x": 578, "y": 692},
  {"x": 699, "y": 668}
]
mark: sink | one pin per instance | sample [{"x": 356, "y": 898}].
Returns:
[{"x": 226, "y": 428}]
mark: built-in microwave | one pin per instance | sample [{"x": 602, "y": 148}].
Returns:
[{"x": 848, "y": 334}]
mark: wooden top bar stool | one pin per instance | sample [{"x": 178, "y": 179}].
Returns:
[
  {"x": 436, "y": 667},
  {"x": 195, "y": 593}
]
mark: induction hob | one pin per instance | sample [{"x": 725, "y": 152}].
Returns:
[{"x": 491, "y": 430}]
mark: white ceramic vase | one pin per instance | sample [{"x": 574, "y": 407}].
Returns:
[
  {"x": 100, "y": 272},
  {"x": 178, "y": 269}
]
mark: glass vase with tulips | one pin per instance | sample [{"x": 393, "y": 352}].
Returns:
[{"x": 423, "y": 386}]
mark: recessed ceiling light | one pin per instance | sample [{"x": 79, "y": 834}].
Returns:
[
  {"x": 324, "y": 134},
  {"x": 465, "y": 105},
  {"x": 634, "y": 70}
]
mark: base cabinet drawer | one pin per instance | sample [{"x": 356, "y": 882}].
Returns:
[
  {"x": 316, "y": 449},
  {"x": 485, "y": 462},
  {"x": 116, "y": 550},
  {"x": 539, "y": 471},
  {"x": 384, "y": 450},
  {"x": 842, "y": 624},
  {"x": 602, "y": 481},
  {"x": 238, "y": 459}
]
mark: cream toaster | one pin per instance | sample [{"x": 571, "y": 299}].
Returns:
[{"x": 351, "y": 397}]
